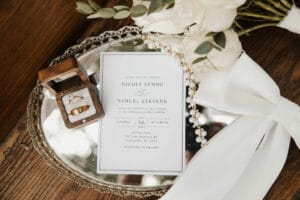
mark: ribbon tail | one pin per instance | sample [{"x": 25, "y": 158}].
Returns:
[
  {"x": 264, "y": 167},
  {"x": 215, "y": 169}
]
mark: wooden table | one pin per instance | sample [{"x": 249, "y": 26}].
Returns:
[{"x": 34, "y": 32}]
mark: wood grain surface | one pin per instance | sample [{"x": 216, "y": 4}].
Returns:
[{"x": 33, "y": 32}]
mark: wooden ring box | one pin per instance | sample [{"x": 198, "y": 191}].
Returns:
[{"x": 76, "y": 96}]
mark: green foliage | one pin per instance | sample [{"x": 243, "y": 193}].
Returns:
[
  {"x": 216, "y": 40},
  {"x": 220, "y": 39},
  {"x": 204, "y": 48},
  {"x": 155, "y": 5},
  {"x": 83, "y": 8},
  {"x": 94, "y": 10},
  {"x": 122, "y": 14},
  {"x": 120, "y": 7},
  {"x": 94, "y": 5},
  {"x": 197, "y": 60},
  {"x": 138, "y": 10}
]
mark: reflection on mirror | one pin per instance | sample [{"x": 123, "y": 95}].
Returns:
[{"x": 78, "y": 147}]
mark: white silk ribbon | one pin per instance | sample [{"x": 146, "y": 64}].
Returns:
[
  {"x": 244, "y": 159},
  {"x": 291, "y": 22}
]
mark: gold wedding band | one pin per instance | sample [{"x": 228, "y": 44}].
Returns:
[
  {"x": 74, "y": 99},
  {"x": 81, "y": 109}
]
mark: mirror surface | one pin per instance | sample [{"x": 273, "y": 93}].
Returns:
[{"x": 78, "y": 147}]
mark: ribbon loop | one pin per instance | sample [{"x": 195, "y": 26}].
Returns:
[
  {"x": 285, "y": 112},
  {"x": 229, "y": 167}
]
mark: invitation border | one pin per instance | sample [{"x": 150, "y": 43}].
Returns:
[{"x": 183, "y": 110}]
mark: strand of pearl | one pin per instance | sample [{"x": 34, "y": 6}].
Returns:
[{"x": 194, "y": 113}]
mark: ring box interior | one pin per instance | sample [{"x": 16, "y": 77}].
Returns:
[{"x": 76, "y": 96}]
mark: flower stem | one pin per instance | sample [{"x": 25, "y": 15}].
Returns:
[
  {"x": 279, "y": 6},
  {"x": 236, "y": 23},
  {"x": 246, "y": 31},
  {"x": 268, "y": 8},
  {"x": 286, "y": 4},
  {"x": 269, "y": 18},
  {"x": 211, "y": 63}
]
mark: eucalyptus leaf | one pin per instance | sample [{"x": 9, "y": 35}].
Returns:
[
  {"x": 155, "y": 5},
  {"x": 204, "y": 48},
  {"x": 94, "y": 5},
  {"x": 197, "y": 60},
  {"x": 122, "y": 14},
  {"x": 169, "y": 1},
  {"x": 107, "y": 12},
  {"x": 94, "y": 16},
  {"x": 171, "y": 5},
  {"x": 138, "y": 10},
  {"x": 220, "y": 39},
  {"x": 83, "y": 7},
  {"x": 81, "y": 11},
  {"x": 121, "y": 7},
  {"x": 211, "y": 34}
]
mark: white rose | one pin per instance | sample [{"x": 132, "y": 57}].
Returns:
[
  {"x": 159, "y": 22},
  {"x": 173, "y": 20},
  {"x": 188, "y": 12},
  {"x": 219, "y": 14},
  {"x": 216, "y": 59},
  {"x": 210, "y": 15},
  {"x": 217, "y": 19}
]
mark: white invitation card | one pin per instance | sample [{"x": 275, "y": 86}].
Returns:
[{"x": 143, "y": 130}]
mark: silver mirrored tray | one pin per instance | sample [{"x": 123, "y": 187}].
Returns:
[{"x": 73, "y": 152}]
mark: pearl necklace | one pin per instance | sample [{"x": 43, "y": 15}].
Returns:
[{"x": 193, "y": 111}]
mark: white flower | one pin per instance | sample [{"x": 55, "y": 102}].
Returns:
[
  {"x": 209, "y": 15},
  {"x": 187, "y": 44},
  {"x": 172, "y": 41},
  {"x": 173, "y": 20},
  {"x": 219, "y": 14},
  {"x": 216, "y": 59},
  {"x": 159, "y": 22},
  {"x": 217, "y": 19}
]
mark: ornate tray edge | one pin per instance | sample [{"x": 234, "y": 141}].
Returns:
[{"x": 36, "y": 132}]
